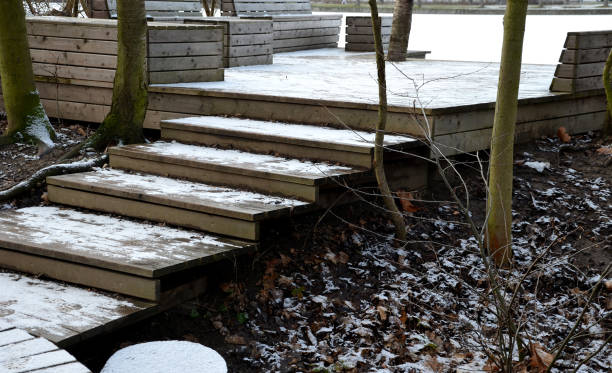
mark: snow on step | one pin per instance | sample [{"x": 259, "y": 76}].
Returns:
[
  {"x": 168, "y": 191},
  {"x": 326, "y": 137},
  {"x": 240, "y": 160},
  {"x": 108, "y": 242},
  {"x": 57, "y": 312}
]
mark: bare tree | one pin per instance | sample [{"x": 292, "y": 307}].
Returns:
[
  {"x": 499, "y": 201},
  {"x": 400, "y": 30}
]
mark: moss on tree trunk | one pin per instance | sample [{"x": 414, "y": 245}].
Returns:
[
  {"x": 607, "y": 80},
  {"x": 499, "y": 201},
  {"x": 27, "y": 120},
  {"x": 400, "y": 30},
  {"x": 123, "y": 125}
]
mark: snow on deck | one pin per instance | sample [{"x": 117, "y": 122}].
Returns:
[
  {"x": 292, "y": 131},
  {"x": 183, "y": 190},
  {"x": 244, "y": 160},
  {"x": 335, "y": 75},
  {"x": 139, "y": 248},
  {"x": 56, "y": 311}
]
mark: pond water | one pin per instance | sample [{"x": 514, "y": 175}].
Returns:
[{"x": 479, "y": 37}]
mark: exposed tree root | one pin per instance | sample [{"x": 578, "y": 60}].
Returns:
[{"x": 58, "y": 169}]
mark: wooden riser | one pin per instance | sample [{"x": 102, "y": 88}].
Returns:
[
  {"x": 261, "y": 146},
  {"x": 307, "y": 193},
  {"x": 159, "y": 213}
]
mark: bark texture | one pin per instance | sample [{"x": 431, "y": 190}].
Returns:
[
  {"x": 27, "y": 120},
  {"x": 123, "y": 125},
  {"x": 379, "y": 170},
  {"x": 607, "y": 80},
  {"x": 209, "y": 8},
  {"x": 499, "y": 201},
  {"x": 400, "y": 30}
]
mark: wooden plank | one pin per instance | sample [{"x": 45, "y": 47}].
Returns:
[
  {"x": 296, "y": 25},
  {"x": 250, "y": 50},
  {"x": 165, "y": 214},
  {"x": 588, "y": 40},
  {"x": 367, "y": 21},
  {"x": 317, "y": 40},
  {"x": 71, "y": 31},
  {"x": 75, "y": 110},
  {"x": 41, "y": 361},
  {"x": 4, "y": 325},
  {"x": 161, "y": 64},
  {"x": 583, "y": 70},
  {"x": 304, "y": 47},
  {"x": 175, "y": 6},
  {"x": 83, "y": 275},
  {"x": 248, "y": 60},
  {"x": 33, "y": 346},
  {"x": 127, "y": 248},
  {"x": 74, "y": 367},
  {"x": 74, "y": 72},
  {"x": 470, "y": 141},
  {"x": 253, "y": 39},
  {"x": 73, "y": 45},
  {"x": 576, "y": 85},
  {"x": 365, "y": 39},
  {"x": 278, "y": 7},
  {"x": 578, "y": 56},
  {"x": 292, "y": 34},
  {"x": 74, "y": 59},
  {"x": 185, "y": 49},
  {"x": 186, "y": 76},
  {"x": 75, "y": 93},
  {"x": 11, "y": 336},
  {"x": 199, "y": 34}
]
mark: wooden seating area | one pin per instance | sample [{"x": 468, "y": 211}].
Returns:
[
  {"x": 155, "y": 8},
  {"x": 359, "y": 37},
  {"x": 582, "y": 61},
  {"x": 84, "y": 51},
  {"x": 295, "y": 27}
]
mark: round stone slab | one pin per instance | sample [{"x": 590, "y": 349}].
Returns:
[{"x": 166, "y": 356}]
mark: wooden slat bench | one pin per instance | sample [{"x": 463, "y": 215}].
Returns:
[
  {"x": 84, "y": 51},
  {"x": 582, "y": 61},
  {"x": 246, "y": 42},
  {"x": 359, "y": 37},
  {"x": 295, "y": 27}
]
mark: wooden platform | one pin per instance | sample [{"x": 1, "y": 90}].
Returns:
[
  {"x": 359, "y": 37},
  {"x": 63, "y": 314},
  {"x": 21, "y": 352},
  {"x": 118, "y": 255}
]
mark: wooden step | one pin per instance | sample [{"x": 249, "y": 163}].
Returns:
[
  {"x": 355, "y": 148},
  {"x": 63, "y": 314},
  {"x": 134, "y": 258},
  {"x": 259, "y": 172},
  {"x": 22, "y": 352},
  {"x": 227, "y": 211}
]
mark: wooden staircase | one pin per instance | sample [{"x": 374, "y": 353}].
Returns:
[{"x": 220, "y": 178}]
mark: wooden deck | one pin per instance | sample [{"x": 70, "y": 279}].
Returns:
[{"x": 22, "y": 352}]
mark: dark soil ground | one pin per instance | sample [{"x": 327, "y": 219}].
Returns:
[{"x": 337, "y": 295}]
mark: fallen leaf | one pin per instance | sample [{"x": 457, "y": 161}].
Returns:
[
  {"x": 606, "y": 150},
  {"x": 235, "y": 340},
  {"x": 540, "y": 359},
  {"x": 563, "y": 135},
  {"x": 343, "y": 257},
  {"x": 405, "y": 198},
  {"x": 382, "y": 312},
  {"x": 191, "y": 338},
  {"x": 608, "y": 284}
]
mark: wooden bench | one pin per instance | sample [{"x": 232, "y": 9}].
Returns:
[
  {"x": 359, "y": 37},
  {"x": 246, "y": 42},
  {"x": 295, "y": 27},
  {"x": 582, "y": 61},
  {"x": 84, "y": 51}
]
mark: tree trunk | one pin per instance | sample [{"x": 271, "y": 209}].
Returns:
[
  {"x": 123, "y": 125},
  {"x": 607, "y": 80},
  {"x": 400, "y": 30},
  {"x": 499, "y": 201},
  {"x": 27, "y": 120},
  {"x": 379, "y": 169}
]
